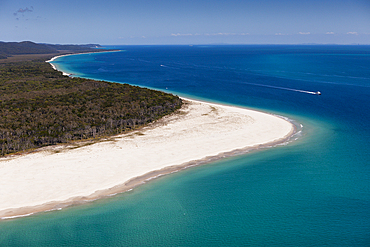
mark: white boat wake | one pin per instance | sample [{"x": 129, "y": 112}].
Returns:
[{"x": 285, "y": 88}]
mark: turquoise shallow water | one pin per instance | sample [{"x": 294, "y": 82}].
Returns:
[{"x": 313, "y": 192}]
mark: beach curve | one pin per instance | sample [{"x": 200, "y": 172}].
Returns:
[{"x": 200, "y": 132}]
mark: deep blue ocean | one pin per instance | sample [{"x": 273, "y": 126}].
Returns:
[{"x": 312, "y": 192}]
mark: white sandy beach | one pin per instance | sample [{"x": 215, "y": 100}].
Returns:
[{"x": 40, "y": 181}]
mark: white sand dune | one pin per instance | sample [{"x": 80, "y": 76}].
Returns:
[{"x": 43, "y": 180}]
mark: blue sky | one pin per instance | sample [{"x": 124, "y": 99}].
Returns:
[{"x": 116, "y": 22}]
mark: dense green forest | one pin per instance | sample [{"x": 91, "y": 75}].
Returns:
[{"x": 39, "y": 106}]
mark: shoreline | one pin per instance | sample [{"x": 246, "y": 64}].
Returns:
[
  {"x": 71, "y": 54},
  {"x": 50, "y": 61},
  {"x": 209, "y": 131},
  {"x": 38, "y": 167}
]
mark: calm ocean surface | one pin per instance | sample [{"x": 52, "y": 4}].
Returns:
[{"x": 312, "y": 192}]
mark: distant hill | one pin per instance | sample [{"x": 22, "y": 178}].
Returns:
[{"x": 8, "y": 49}]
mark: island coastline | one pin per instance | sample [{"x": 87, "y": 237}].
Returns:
[
  {"x": 50, "y": 61},
  {"x": 221, "y": 124},
  {"x": 170, "y": 164}
]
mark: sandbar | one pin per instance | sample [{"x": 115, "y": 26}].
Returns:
[{"x": 63, "y": 175}]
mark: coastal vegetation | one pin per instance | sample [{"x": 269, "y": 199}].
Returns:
[{"x": 39, "y": 106}]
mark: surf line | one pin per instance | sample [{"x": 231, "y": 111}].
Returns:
[{"x": 285, "y": 88}]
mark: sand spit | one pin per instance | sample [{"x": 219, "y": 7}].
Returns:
[{"x": 59, "y": 176}]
